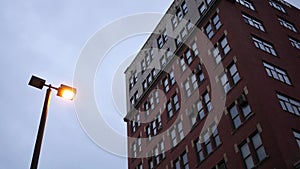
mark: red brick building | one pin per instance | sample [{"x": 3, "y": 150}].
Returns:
[{"x": 175, "y": 120}]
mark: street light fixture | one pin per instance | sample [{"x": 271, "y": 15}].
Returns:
[{"x": 64, "y": 91}]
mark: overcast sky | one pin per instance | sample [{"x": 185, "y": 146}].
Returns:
[{"x": 45, "y": 38}]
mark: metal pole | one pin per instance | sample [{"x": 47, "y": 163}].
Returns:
[{"x": 39, "y": 138}]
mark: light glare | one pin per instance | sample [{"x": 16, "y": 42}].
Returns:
[{"x": 68, "y": 94}]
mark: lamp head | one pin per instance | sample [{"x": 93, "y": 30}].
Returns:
[{"x": 66, "y": 92}]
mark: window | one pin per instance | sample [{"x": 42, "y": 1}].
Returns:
[
  {"x": 246, "y": 154},
  {"x": 146, "y": 108},
  {"x": 184, "y": 7},
  {"x": 148, "y": 81},
  {"x": 156, "y": 97},
  {"x": 148, "y": 60},
  {"x": 277, "y": 73},
  {"x": 174, "y": 22},
  {"x": 151, "y": 52},
  {"x": 202, "y": 8},
  {"x": 153, "y": 127},
  {"x": 265, "y": 46},
  {"x": 181, "y": 11},
  {"x": 197, "y": 112},
  {"x": 162, "y": 149},
  {"x": 184, "y": 33},
  {"x": 209, "y": 31},
  {"x": 165, "y": 35},
  {"x": 199, "y": 73},
  {"x": 287, "y": 24},
  {"x": 252, "y": 152},
  {"x": 134, "y": 99},
  {"x": 156, "y": 156},
  {"x": 235, "y": 116},
  {"x": 173, "y": 105},
  {"x": 169, "y": 81},
  {"x": 233, "y": 79},
  {"x": 133, "y": 126},
  {"x": 176, "y": 134},
  {"x": 224, "y": 45},
  {"x": 225, "y": 83},
  {"x": 199, "y": 150},
  {"x": 149, "y": 78},
  {"x": 143, "y": 66},
  {"x": 158, "y": 121},
  {"x": 200, "y": 110},
  {"x": 173, "y": 137},
  {"x": 295, "y": 43},
  {"x": 215, "y": 135},
  {"x": 194, "y": 81},
  {"x": 216, "y": 21},
  {"x": 196, "y": 52},
  {"x": 151, "y": 102},
  {"x": 132, "y": 80},
  {"x": 216, "y": 54},
  {"x": 170, "y": 109},
  {"x": 188, "y": 57},
  {"x": 258, "y": 147},
  {"x": 297, "y": 137},
  {"x": 172, "y": 77},
  {"x": 234, "y": 74},
  {"x": 246, "y": 3},
  {"x": 148, "y": 132},
  {"x": 161, "y": 40},
  {"x": 207, "y": 142},
  {"x": 134, "y": 151},
  {"x": 207, "y": 102},
  {"x": 135, "y": 123},
  {"x": 139, "y": 144},
  {"x": 190, "y": 85},
  {"x": 187, "y": 88},
  {"x": 210, "y": 28},
  {"x": 166, "y": 84},
  {"x": 131, "y": 83},
  {"x": 277, "y": 6},
  {"x": 240, "y": 112},
  {"x": 288, "y": 104},
  {"x": 178, "y": 41},
  {"x": 182, "y": 162},
  {"x": 179, "y": 15},
  {"x": 253, "y": 22},
  {"x": 182, "y": 64},
  {"x": 150, "y": 163}
]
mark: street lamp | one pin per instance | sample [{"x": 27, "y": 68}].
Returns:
[{"x": 63, "y": 91}]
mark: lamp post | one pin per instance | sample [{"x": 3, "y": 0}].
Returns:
[{"x": 63, "y": 91}]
